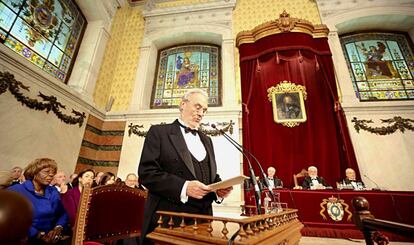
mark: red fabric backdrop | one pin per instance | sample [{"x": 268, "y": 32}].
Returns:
[{"x": 323, "y": 140}]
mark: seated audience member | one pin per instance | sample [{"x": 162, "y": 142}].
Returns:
[
  {"x": 108, "y": 178},
  {"x": 131, "y": 180},
  {"x": 49, "y": 216},
  {"x": 97, "y": 180},
  {"x": 17, "y": 176},
  {"x": 70, "y": 199},
  {"x": 274, "y": 181},
  {"x": 313, "y": 181},
  {"x": 71, "y": 178},
  {"x": 351, "y": 181},
  {"x": 59, "y": 182},
  {"x": 118, "y": 181},
  {"x": 16, "y": 217},
  {"x": 5, "y": 179}
]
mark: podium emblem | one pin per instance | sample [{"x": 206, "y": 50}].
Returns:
[{"x": 335, "y": 209}]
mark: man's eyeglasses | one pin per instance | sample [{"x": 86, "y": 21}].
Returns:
[{"x": 198, "y": 107}]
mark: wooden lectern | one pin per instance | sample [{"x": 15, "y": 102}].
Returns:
[{"x": 271, "y": 229}]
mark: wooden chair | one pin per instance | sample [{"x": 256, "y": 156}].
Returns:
[
  {"x": 108, "y": 213},
  {"x": 299, "y": 176}
]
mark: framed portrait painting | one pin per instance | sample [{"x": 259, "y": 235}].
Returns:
[{"x": 288, "y": 103}]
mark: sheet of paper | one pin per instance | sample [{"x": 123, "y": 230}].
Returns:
[{"x": 228, "y": 182}]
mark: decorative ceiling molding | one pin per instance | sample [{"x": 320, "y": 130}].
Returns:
[
  {"x": 285, "y": 23},
  {"x": 329, "y": 8},
  {"x": 151, "y": 9}
]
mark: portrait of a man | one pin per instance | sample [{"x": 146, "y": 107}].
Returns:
[
  {"x": 288, "y": 106},
  {"x": 288, "y": 103}
]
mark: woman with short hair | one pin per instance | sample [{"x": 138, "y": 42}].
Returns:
[{"x": 49, "y": 216}]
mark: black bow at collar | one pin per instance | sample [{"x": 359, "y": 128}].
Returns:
[{"x": 188, "y": 129}]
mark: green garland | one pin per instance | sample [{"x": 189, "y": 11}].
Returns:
[
  {"x": 8, "y": 82},
  {"x": 398, "y": 123},
  {"x": 226, "y": 127}
]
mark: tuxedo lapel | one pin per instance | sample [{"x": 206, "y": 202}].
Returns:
[
  {"x": 177, "y": 140},
  {"x": 209, "y": 148}
]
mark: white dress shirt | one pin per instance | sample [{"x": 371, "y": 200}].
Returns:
[{"x": 197, "y": 149}]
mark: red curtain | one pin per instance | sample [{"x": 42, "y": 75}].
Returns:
[{"x": 323, "y": 140}]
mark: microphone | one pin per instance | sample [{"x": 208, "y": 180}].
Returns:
[
  {"x": 257, "y": 193},
  {"x": 377, "y": 186},
  {"x": 234, "y": 142}
]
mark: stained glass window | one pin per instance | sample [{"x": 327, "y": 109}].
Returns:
[
  {"x": 381, "y": 65},
  {"x": 184, "y": 67},
  {"x": 45, "y": 32}
]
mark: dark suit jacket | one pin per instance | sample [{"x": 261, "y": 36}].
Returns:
[
  {"x": 306, "y": 184},
  {"x": 348, "y": 182},
  {"x": 278, "y": 182},
  {"x": 164, "y": 167}
]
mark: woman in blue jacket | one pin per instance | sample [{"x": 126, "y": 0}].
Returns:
[{"x": 49, "y": 216}]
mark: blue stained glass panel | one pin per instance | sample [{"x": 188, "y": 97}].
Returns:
[
  {"x": 63, "y": 36},
  {"x": 6, "y": 17},
  {"x": 55, "y": 56},
  {"x": 45, "y": 32},
  {"x": 14, "y": 4}
]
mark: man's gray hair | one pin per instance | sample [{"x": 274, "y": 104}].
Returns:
[
  {"x": 193, "y": 91},
  {"x": 349, "y": 169},
  {"x": 313, "y": 167},
  {"x": 17, "y": 167}
]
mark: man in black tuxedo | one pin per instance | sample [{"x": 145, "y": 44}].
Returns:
[
  {"x": 313, "y": 181},
  {"x": 178, "y": 163},
  {"x": 351, "y": 181},
  {"x": 274, "y": 181}
]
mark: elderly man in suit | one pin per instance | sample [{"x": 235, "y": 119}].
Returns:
[
  {"x": 351, "y": 180},
  {"x": 313, "y": 181},
  {"x": 178, "y": 163},
  {"x": 274, "y": 181}
]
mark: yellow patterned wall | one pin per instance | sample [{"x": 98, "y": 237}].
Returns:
[
  {"x": 117, "y": 74},
  {"x": 249, "y": 14}
]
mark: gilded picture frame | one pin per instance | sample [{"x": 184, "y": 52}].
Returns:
[{"x": 288, "y": 103}]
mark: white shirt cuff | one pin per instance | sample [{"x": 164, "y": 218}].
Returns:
[{"x": 183, "y": 196}]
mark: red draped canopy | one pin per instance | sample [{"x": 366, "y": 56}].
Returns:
[{"x": 323, "y": 140}]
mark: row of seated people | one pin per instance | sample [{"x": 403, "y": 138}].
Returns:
[
  {"x": 16, "y": 176},
  {"x": 54, "y": 213},
  {"x": 312, "y": 181}
]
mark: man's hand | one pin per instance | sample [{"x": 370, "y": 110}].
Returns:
[
  {"x": 222, "y": 193},
  {"x": 196, "y": 189}
]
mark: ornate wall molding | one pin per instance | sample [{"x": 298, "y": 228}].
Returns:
[
  {"x": 206, "y": 128},
  {"x": 8, "y": 82},
  {"x": 285, "y": 23},
  {"x": 398, "y": 123}
]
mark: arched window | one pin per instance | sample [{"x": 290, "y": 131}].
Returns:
[
  {"x": 183, "y": 67},
  {"x": 381, "y": 65},
  {"x": 45, "y": 32}
]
